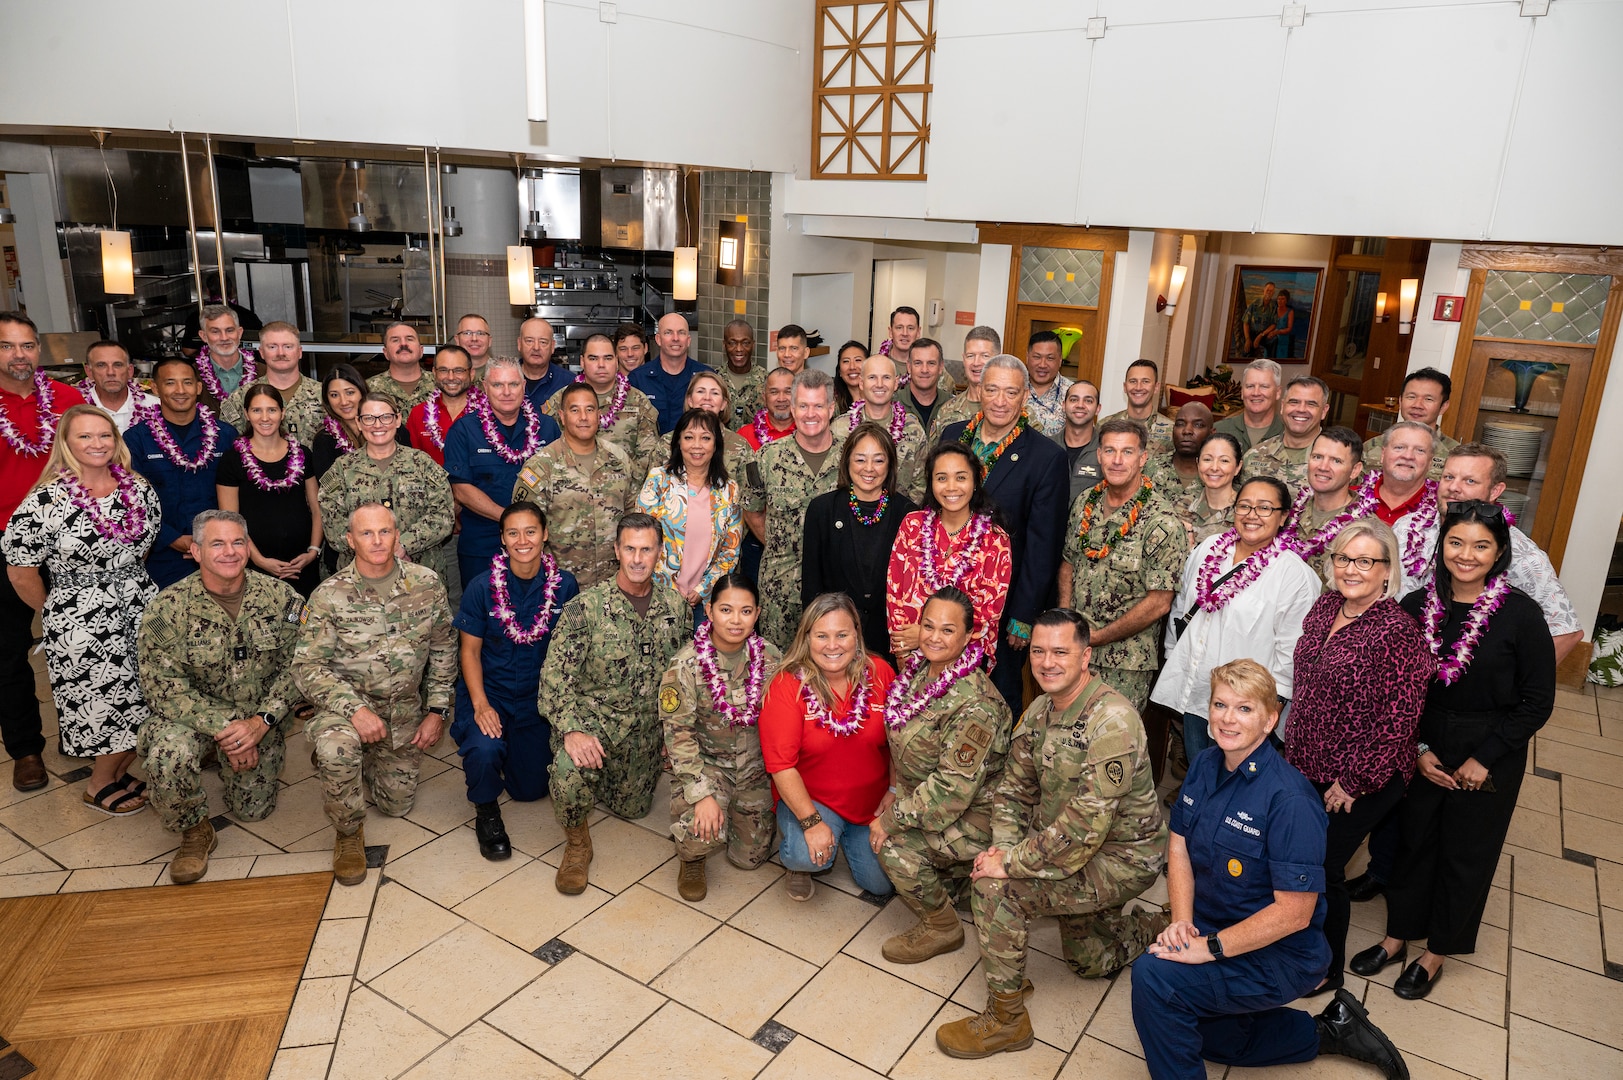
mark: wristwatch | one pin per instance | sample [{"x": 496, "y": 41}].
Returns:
[
  {"x": 814, "y": 819},
  {"x": 1421, "y": 750},
  {"x": 1215, "y": 945},
  {"x": 313, "y": 550},
  {"x": 270, "y": 721}
]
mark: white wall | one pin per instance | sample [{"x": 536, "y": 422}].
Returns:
[
  {"x": 1124, "y": 338},
  {"x": 1600, "y": 506}
]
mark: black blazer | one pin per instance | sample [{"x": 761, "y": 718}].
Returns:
[
  {"x": 1031, "y": 486},
  {"x": 834, "y": 561}
]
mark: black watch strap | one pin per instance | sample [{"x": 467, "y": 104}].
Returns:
[
  {"x": 1215, "y": 945},
  {"x": 814, "y": 819},
  {"x": 270, "y": 721}
]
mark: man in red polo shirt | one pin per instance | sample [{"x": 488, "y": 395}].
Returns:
[
  {"x": 25, "y": 443},
  {"x": 453, "y": 374},
  {"x": 1404, "y": 498},
  {"x": 777, "y": 419}
]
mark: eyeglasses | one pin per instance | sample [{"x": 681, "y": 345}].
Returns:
[
  {"x": 1255, "y": 509},
  {"x": 379, "y": 420},
  {"x": 1364, "y": 564},
  {"x": 473, "y": 333}
]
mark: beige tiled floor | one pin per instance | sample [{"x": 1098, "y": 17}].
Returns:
[{"x": 446, "y": 966}]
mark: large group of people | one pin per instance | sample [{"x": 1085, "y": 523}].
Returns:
[{"x": 814, "y": 600}]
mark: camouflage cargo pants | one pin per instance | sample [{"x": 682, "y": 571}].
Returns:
[
  {"x": 780, "y": 600},
  {"x": 1096, "y": 935},
  {"x": 1135, "y": 686},
  {"x": 747, "y": 824},
  {"x": 173, "y": 755},
  {"x": 389, "y": 768},
  {"x": 930, "y": 869},
  {"x": 625, "y": 783}
]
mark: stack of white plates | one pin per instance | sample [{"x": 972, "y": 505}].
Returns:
[{"x": 1519, "y": 443}]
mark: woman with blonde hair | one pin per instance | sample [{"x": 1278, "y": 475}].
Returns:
[
  {"x": 823, "y": 742},
  {"x": 90, "y": 520}
]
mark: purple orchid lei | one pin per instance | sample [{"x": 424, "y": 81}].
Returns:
[
  {"x": 704, "y": 650},
  {"x": 502, "y": 601},
  {"x": 900, "y": 708}
]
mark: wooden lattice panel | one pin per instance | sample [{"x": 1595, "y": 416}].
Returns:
[{"x": 871, "y": 89}]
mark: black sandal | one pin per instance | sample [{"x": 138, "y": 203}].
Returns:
[
  {"x": 139, "y": 788},
  {"x": 112, "y": 809}
]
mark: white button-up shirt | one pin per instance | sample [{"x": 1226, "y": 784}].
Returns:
[{"x": 135, "y": 398}]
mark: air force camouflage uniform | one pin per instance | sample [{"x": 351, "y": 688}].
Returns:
[
  {"x": 787, "y": 488},
  {"x": 946, "y": 761},
  {"x": 1077, "y": 818},
  {"x": 712, "y": 759},
  {"x": 584, "y": 500},
  {"x": 200, "y": 672},
  {"x": 602, "y": 678},
  {"x": 389, "y": 647}
]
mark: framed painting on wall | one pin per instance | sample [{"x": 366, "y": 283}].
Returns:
[{"x": 1271, "y": 313}]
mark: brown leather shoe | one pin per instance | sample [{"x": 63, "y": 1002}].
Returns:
[
  {"x": 1003, "y": 1025},
  {"x": 936, "y": 933},
  {"x": 690, "y": 883},
  {"x": 28, "y": 773},
  {"x": 191, "y": 862},
  {"x": 799, "y": 885},
  {"x": 571, "y": 879},
  {"x": 349, "y": 858}
]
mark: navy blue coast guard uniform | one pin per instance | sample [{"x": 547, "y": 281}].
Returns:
[
  {"x": 469, "y": 459},
  {"x": 183, "y": 493}
]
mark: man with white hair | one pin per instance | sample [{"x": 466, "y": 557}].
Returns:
[{"x": 1259, "y": 418}]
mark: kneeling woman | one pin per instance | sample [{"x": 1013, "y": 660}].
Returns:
[
  {"x": 710, "y": 702},
  {"x": 823, "y": 741},
  {"x": 949, "y": 732},
  {"x": 506, "y": 621}
]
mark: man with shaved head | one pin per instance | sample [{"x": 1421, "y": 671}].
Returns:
[
  {"x": 542, "y": 378},
  {"x": 666, "y": 381}
]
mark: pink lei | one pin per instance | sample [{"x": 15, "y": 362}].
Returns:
[
  {"x": 622, "y": 387},
  {"x": 487, "y": 422},
  {"x": 1362, "y": 505},
  {"x": 502, "y": 601},
  {"x": 900, "y": 708},
  {"x": 171, "y": 449},
  {"x": 211, "y": 381},
  {"x": 134, "y": 524},
  {"x": 704, "y": 650},
  {"x": 1211, "y": 568},
  {"x": 1449, "y": 669},
  {"x": 898, "y": 419},
  {"x": 930, "y": 565},
  {"x": 861, "y": 701},
  {"x": 763, "y": 430},
  {"x": 47, "y": 421},
  {"x": 256, "y": 472},
  {"x": 1417, "y": 544},
  {"x": 431, "y": 415},
  {"x": 339, "y": 435}
]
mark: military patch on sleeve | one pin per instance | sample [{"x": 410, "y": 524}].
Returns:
[
  {"x": 669, "y": 699},
  {"x": 1114, "y": 777},
  {"x": 965, "y": 755},
  {"x": 530, "y": 476},
  {"x": 979, "y": 735},
  {"x": 295, "y": 610},
  {"x": 158, "y": 626}
]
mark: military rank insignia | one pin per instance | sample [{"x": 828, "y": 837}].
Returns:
[{"x": 669, "y": 699}]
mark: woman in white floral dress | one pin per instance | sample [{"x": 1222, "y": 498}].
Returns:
[{"x": 89, "y": 522}]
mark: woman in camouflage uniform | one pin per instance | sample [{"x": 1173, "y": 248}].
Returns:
[
  {"x": 710, "y": 702},
  {"x": 1211, "y": 510},
  {"x": 949, "y": 732},
  {"x": 406, "y": 481}
]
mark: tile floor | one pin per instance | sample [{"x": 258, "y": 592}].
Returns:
[{"x": 443, "y": 965}]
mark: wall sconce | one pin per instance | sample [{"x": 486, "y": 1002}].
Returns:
[
  {"x": 535, "y": 60},
  {"x": 117, "y": 265},
  {"x": 1408, "y": 293},
  {"x": 520, "y": 276},
  {"x": 730, "y": 252},
  {"x": 1168, "y": 304},
  {"x": 685, "y": 274},
  {"x": 1380, "y": 307}
]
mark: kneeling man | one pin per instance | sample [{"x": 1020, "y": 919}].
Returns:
[{"x": 214, "y": 654}]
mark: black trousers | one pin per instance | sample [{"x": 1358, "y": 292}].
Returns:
[
  {"x": 19, "y": 704},
  {"x": 1008, "y": 675},
  {"x": 1347, "y": 830},
  {"x": 1451, "y": 843}
]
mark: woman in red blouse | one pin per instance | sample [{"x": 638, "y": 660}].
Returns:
[
  {"x": 823, "y": 740},
  {"x": 954, "y": 541},
  {"x": 1361, "y": 672}
]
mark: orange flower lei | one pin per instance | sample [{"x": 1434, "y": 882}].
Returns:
[{"x": 1090, "y": 502}]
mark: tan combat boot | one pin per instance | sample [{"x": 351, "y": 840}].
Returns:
[
  {"x": 1003, "y": 1025},
  {"x": 690, "y": 883},
  {"x": 937, "y": 932},
  {"x": 571, "y": 880},
  {"x": 349, "y": 858},
  {"x": 191, "y": 862}
]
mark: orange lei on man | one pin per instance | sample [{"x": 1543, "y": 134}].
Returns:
[{"x": 1091, "y": 501}]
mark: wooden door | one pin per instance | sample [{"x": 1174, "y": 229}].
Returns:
[{"x": 1086, "y": 358}]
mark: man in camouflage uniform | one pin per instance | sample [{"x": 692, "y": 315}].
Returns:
[
  {"x": 1143, "y": 390},
  {"x": 600, "y": 688},
  {"x": 405, "y": 355},
  {"x": 377, "y": 658},
  {"x": 635, "y": 428},
  {"x": 1175, "y": 474},
  {"x": 584, "y": 484},
  {"x": 746, "y": 380},
  {"x": 794, "y": 471},
  {"x": 302, "y": 410},
  {"x": 879, "y": 405},
  {"x": 1307, "y": 403},
  {"x": 1424, "y": 400},
  {"x": 214, "y": 654},
  {"x": 1076, "y": 832},
  {"x": 1334, "y": 470},
  {"x": 1123, "y": 585}
]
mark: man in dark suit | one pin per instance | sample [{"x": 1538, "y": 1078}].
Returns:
[{"x": 1026, "y": 476}]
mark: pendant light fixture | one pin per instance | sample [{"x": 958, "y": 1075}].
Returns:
[{"x": 117, "y": 261}]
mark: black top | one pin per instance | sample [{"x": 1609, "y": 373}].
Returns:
[
  {"x": 844, "y": 555},
  {"x": 278, "y": 521},
  {"x": 1510, "y": 683},
  {"x": 324, "y": 452}
]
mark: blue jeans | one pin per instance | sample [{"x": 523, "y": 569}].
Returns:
[{"x": 852, "y": 839}]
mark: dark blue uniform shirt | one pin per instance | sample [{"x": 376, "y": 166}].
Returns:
[
  {"x": 665, "y": 390},
  {"x": 512, "y": 672},
  {"x": 537, "y": 391},
  {"x": 469, "y": 459},
  {"x": 1250, "y": 832},
  {"x": 184, "y": 494}
]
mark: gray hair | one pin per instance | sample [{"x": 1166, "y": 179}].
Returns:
[
  {"x": 219, "y": 311},
  {"x": 1382, "y": 534},
  {"x": 813, "y": 379},
  {"x": 1007, "y": 362},
  {"x": 494, "y": 362},
  {"x": 984, "y": 333},
  {"x": 370, "y": 504},
  {"x": 228, "y": 516},
  {"x": 744, "y": 323},
  {"x": 1409, "y": 425},
  {"x": 1269, "y": 367}
]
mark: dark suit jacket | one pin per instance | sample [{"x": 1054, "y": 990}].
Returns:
[
  {"x": 1031, "y": 486},
  {"x": 834, "y": 562}
]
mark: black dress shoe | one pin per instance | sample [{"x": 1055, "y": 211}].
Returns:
[
  {"x": 1363, "y": 887},
  {"x": 1345, "y": 1029},
  {"x": 487, "y": 826},
  {"x": 1374, "y": 958},
  {"x": 1414, "y": 983}
]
